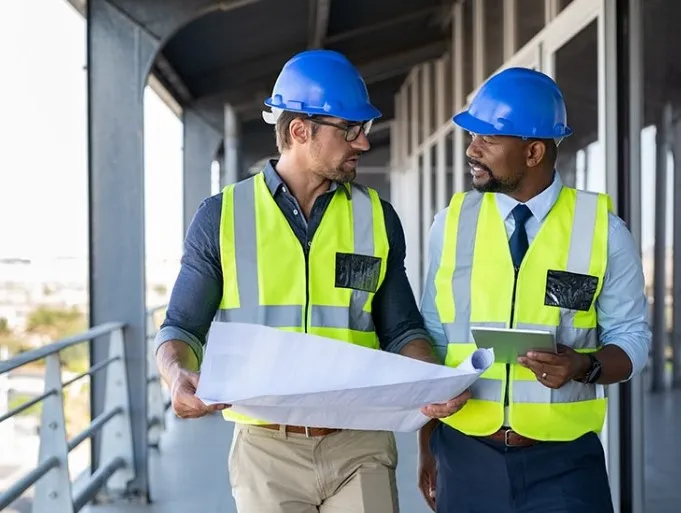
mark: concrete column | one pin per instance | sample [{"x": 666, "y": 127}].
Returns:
[
  {"x": 200, "y": 145},
  {"x": 230, "y": 171},
  {"x": 662, "y": 142},
  {"x": 119, "y": 54}
]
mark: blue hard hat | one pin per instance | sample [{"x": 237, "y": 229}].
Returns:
[
  {"x": 517, "y": 102},
  {"x": 322, "y": 82}
]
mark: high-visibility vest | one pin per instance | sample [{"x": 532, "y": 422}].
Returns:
[
  {"x": 266, "y": 279},
  {"x": 475, "y": 287}
]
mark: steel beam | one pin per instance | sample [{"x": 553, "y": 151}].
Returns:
[
  {"x": 176, "y": 13},
  {"x": 319, "y": 22},
  {"x": 237, "y": 83},
  {"x": 200, "y": 144},
  {"x": 390, "y": 22},
  {"x": 118, "y": 53}
]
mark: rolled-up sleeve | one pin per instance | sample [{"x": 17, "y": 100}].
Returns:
[
  {"x": 431, "y": 316},
  {"x": 396, "y": 315},
  {"x": 622, "y": 306},
  {"x": 197, "y": 291}
]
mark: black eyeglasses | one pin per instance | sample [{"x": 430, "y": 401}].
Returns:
[{"x": 352, "y": 130}]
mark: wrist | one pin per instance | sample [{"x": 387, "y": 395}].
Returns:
[{"x": 583, "y": 367}]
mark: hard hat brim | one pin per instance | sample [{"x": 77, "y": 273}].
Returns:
[
  {"x": 479, "y": 127},
  {"x": 361, "y": 113}
]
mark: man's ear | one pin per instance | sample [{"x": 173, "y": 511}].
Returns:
[
  {"x": 535, "y": 154},
  {"x": 299, "y": 131}
]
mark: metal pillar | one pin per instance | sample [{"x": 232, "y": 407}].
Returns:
[
  {"x": 118, "y": 56},
  {"x": 459, "y": 99},
  {"x": 625, "y": 412},
  {"x": 412, "y": 203},
  {"x": 659, "y": 281},
  {"x": 442, "y": 117},
  {"x": 426, "y": 172},
  {"x": 231, "y": 168},
  {"x": 676, "y": 334},
  {"x": 200, "y": 144}
]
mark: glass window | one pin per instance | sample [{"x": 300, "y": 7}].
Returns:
[
  {"x": 468, "y": 80},
  {"x": 562, "y": 4},
  {"x": 494, "y": 41},
  {"x": 580, "y": 156},
  {"x": 530, "y": 17}
]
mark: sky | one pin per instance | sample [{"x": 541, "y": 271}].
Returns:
[{"x": 43, "y": 140}]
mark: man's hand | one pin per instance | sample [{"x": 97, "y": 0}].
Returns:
[
  {"x": 554, "y": 370},
  {"x": 182, "y": 393},
  {"x": 427, "y": 476},
  {"x": 442, "y": 410}
]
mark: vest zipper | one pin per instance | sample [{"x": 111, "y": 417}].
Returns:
[
  {"x": 508, "y": 366},
  {"x": 306, "y": 252}
]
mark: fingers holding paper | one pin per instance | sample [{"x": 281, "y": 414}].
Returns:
[
  {"x": 442, "y": 410},
  {"x": 184, "y": 401}
]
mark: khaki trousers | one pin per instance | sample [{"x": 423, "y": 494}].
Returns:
[{"x": 344, "y": 472}]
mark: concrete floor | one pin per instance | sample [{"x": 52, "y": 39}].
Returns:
[{"x": 189, "y": 470}]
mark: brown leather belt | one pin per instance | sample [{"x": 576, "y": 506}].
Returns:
[
  {"x": 512, "y": 439},
  {"x": 302, "y": 430}
]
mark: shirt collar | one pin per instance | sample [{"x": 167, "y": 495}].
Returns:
[
  {"x": 274, "y": 181},
  {"x": 540, "y": 205}
]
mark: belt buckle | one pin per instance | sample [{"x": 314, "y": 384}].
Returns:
[
  {"x": 506, "y": 438},
  {"x": 307, "y": 432}
]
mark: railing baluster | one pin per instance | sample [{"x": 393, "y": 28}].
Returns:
[
  {"x": 155, "y": 409},
  {"x": 53, "y": 487},
  {"x": 53, "y": 491},
  {"x": 116, "y": 439}
]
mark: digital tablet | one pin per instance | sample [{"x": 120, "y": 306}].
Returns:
[{"x": 509, "y": 344}]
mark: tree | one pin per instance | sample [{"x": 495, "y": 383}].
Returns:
[
  {"x": 57, "y": 323},
  {"x": 9, "y": 339}
]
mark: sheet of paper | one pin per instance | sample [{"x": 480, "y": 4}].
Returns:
[{"x": 307, "y": 380}]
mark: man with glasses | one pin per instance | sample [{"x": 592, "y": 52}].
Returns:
[{"x": 301, "y": 247}]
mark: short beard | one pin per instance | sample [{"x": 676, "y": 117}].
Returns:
[{"x": 494, "y": 184}]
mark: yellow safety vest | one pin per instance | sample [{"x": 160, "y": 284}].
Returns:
[
  {"x": 266, "y": 279},
  {"x": 475, "y": 287}
]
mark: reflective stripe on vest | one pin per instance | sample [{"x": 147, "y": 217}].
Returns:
[
  {"x": 474, "y": 288},
  {"x": 353, "y": 317}
]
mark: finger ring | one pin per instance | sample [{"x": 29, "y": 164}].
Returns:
[{"x": 543, "y": 376}]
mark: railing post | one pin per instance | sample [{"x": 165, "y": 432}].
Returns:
[
  {"x": 53, "y": 490},
  {"x": 116, "y": 439},
  {"x": 155, "y": 402}
]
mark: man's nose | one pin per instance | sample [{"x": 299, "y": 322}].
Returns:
[
  {"x": 473, "y": 149},
  {"x": 361, "y": 143}
]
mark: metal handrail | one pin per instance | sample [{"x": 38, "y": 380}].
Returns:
[
  {"x": 56, "y": 347},
  {"x": 51, "y": 476}
]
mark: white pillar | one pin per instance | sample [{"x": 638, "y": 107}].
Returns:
[
  {"x": 442, "y": 117},
  {"x": 230, "y": 172},
  {"x": 459, "y": 100}
]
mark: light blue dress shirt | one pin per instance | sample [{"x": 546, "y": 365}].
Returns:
[{"x": 622, "y": 306}]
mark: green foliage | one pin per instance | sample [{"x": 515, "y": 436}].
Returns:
[
  {"x": 5, "y": 330},
  {"x": 58, "y": 323},
  {"x": 20, "y": 399}
]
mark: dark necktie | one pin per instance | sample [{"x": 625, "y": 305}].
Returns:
[{"x": 518, "y": 242}]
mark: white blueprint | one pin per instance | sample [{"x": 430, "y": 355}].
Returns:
[{"x": 307, "y": 380}]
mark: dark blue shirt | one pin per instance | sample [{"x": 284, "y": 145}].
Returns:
[{"x": 198, "y": 289}]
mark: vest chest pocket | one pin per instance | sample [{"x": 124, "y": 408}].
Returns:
[
  {"x": 357, "y": 272},
  {"x": 570, "y": 290}
]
